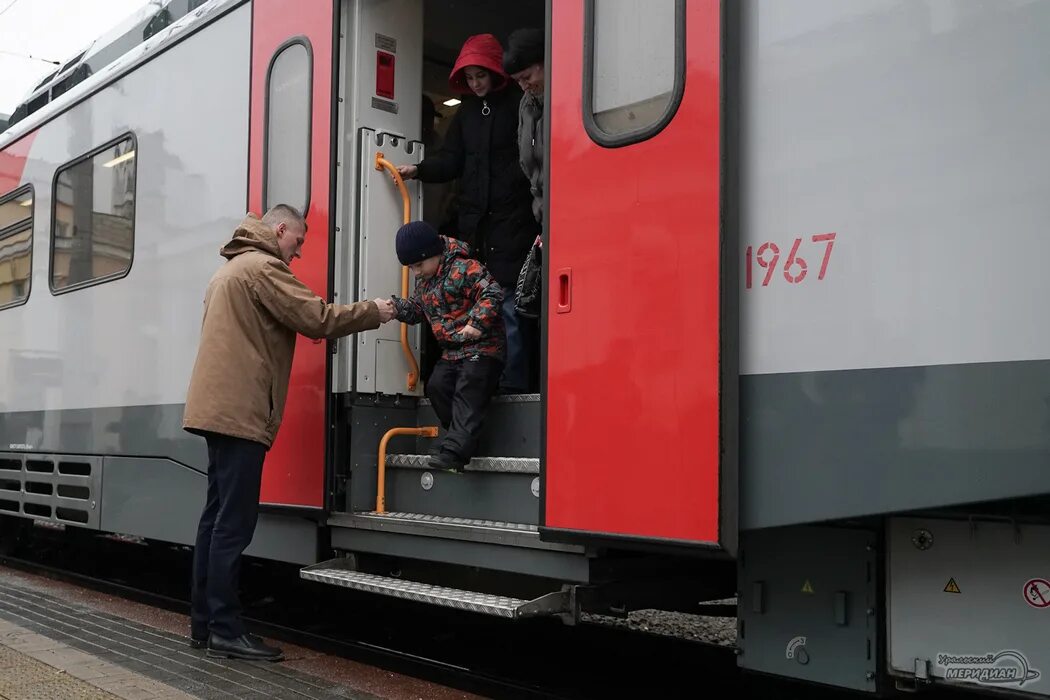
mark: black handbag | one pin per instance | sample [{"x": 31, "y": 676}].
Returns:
[{"x": 527, "y": 295}]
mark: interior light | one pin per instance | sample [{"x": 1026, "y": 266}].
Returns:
[
  {"x": 119, "y": 159},
  {"x": 26, "y": 202},
  {"x": 451, "y": 102}
]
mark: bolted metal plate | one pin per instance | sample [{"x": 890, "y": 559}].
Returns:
[{"x": 506, "y": 465}]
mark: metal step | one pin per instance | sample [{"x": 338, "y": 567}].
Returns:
[
  {"x": 421, "y": 524},
  {"x": 502, "y": 398},
  {"x": 506, "y": 465},
  {"x": 336, "y": 573}
]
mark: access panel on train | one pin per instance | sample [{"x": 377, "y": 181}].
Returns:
[{"x": 636, "y": 414}]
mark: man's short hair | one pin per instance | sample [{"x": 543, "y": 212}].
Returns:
[{"x": 283, "y": 212}]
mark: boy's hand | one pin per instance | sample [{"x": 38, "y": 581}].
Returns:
[
  {"x": 386, "y": 309},
  {"x": 470, "y": 332}
]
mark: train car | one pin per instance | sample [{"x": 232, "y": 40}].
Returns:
[{"x": 781, "y": 358}]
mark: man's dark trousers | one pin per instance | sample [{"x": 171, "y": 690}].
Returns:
[
  {"x": 226, "y": 528},
  {"x": 460, "y": 391}
]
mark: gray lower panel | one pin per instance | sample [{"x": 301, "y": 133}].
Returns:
[
  {"x": 534, "y": 562},
  {"x": 803, "y": 606},
  {"x": 479, "y": 496},
  {"x": 162, "y": 500},
  {"x": 830, "y": 445},
  {"x": 153, "y": 498},
  {"x": 152, "y": 431},
  {"x": 969, "y": 602}
]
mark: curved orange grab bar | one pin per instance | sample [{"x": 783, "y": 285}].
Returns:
[
  {"x": 430, "y": 431},
  {"x": 381, "y": 163}
]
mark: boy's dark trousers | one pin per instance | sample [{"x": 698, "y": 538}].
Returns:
[
  {"x": 460, "y": 391},
  {"x": 226, "y": 528}
]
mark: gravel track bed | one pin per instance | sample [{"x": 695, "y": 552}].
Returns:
[{"x": 713, "y": 630}]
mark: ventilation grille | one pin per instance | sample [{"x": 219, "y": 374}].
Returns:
[{"x": 59, "y": 488}]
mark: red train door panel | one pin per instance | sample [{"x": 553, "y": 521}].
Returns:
[
  {"x": 292, "y": 64},
  {"x": 634, "y": 309}
]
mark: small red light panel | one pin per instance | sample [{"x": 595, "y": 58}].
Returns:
[{"x": 385, "y": 74}]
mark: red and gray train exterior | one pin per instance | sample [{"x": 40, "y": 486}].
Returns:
[{"x": 793, "y": 342}]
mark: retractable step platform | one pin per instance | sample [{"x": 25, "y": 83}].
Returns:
[{"x": 337, "y": 573}]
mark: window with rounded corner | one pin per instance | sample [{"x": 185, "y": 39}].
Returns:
[
  {"x": 286, "y": 154},
  {"x": 16, "y": 246},
  {"x": 634, "y": 68},
  {"x": 93, "y": 217}
]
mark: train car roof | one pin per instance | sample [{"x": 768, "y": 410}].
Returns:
[{"x": 120, "y": 66}]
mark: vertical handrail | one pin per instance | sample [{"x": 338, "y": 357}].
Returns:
[
  {"x": 413, "y": 374},
  {"x": 429, "y": 431}
]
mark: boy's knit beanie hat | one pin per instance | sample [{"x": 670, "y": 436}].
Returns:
[{"x": 416, "y": 241}]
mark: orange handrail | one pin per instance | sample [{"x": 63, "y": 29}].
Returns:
[
  {"x": 413, "y": 375},
  {"x": 430, "y": 431}
]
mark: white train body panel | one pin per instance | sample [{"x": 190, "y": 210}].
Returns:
[
  {"x": 132, "y": 341},
  {"x": 916, "y": 133}
]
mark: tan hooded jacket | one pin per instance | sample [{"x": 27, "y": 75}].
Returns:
[{"x": 253, "y": 308}]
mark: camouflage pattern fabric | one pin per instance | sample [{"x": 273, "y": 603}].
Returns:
[{"x": 461, "y": 292}]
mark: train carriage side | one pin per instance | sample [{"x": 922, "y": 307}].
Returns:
[
  {"x": 893, "y": 412},
  {"x": 135, "y": 177}
]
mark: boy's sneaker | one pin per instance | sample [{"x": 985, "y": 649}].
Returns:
[{"x": 447, "y": 461}]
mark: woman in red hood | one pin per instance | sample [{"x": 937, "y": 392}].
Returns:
[{"x": 495, "y": 202}]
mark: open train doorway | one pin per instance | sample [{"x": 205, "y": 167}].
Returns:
[
  {"x": 398, "y": 109},
  {"x": 489, "y": 206},
  {"x": 396, "y": 99}
]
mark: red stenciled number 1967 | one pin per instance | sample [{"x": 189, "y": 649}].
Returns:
[{"x": 795, "y": 267}]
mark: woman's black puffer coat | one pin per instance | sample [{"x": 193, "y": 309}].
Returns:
[{"x": 495, "y": 203}]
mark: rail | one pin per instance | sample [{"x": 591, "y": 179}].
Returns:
[
  {"x": 413, "y": 374},
  {"x": 429, "y": 431}
]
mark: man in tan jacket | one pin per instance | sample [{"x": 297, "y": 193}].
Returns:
[{"x": 253, "y": 308}]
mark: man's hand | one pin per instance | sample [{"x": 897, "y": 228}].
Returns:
[
  {"x": 470, "y": 332},
  {"x": 407, "y": 172},
  {"x": 386, "y": 309}
]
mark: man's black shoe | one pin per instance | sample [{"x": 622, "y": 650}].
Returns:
[
  {"x": 247, "y": 646},
  {"x": 447, "y": 461},
  {"x": 196, "y": 643}
]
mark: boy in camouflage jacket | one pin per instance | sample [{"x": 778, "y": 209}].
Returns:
[{"x": 462, "y": 302}]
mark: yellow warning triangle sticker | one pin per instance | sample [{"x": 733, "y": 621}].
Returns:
[
  {"x": 806, "y": 587},
  {"x": 952, "y": 587}
]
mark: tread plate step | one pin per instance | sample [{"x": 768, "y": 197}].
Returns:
[
  {"x": 502, "y": 398},
  {"x": 449, "y": 520},
  {"x": 334, "y": 573},
  {"x": 508, "y": 465},
  {"x": 474, "y": 530}
]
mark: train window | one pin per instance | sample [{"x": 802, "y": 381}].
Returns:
[
  {"x": 93, "y": 217},
  {"x": 634, "y": 68},
  {"x": 16, "y": 246},
  {"x": 286, "y": 153}
]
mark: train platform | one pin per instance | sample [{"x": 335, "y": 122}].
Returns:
[{"x": 61, "y": 641}]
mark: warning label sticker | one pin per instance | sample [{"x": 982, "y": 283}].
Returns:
[
  {"x": 807, "y": 587},
  {"x": 952, "y": 586},
  {"x": 1037, "y": 592}
]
